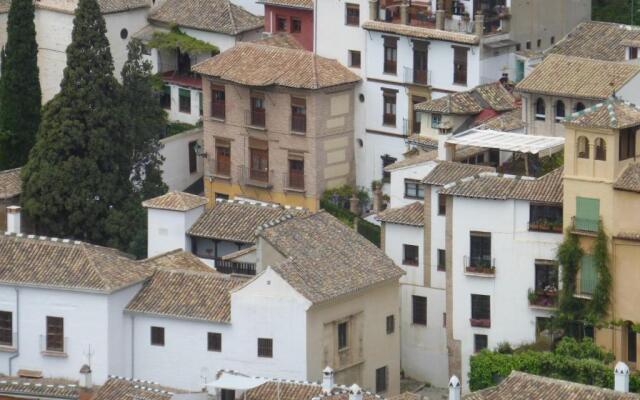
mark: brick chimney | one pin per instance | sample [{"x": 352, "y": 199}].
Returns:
[
  {"x": 621, "y": 377},
  {"x": 455, "y": 392},
  {"x": 13, "y": 219}
]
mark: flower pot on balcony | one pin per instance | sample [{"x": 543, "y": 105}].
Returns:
[{"x": 480, "y": 323}]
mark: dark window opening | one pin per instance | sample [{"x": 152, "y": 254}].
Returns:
[
  {"x": 480, "y": 342},
  {"x": 281, "y": 23},
  {"x": 480, "y": 251},
  {"x": 390, "y": 55},
  {"x": 386, "y": 161},
  {"x": 410, "y": 255},
  {"x": 343, "y": 339},
  {"x": 265, "y": 347},
  {"x": 218, "y": 105},
  {"x": 442, "y": 204},
  {"x": 354, "y": 59},
  {"x": 157, "y": 336},
  {"x": 391, "y": 324},
  {"x": 193, "y": 158},
  {"x": 214, "y": 341},
  {"x": 480, "y": 310},
  {"x": 184, "y": 96},
  {"x": 296, "y": 25},
  {"x": 382, "y": 379},
  {"x": 298, "y": 114},
  {"x": 627, "y": 143},
  {"x": 6, "y": 328},
  {"x": 389, "y": 108},
  {"x": 352, "y": 14},
  {"x": 442, "y": 260},
  {"x": 296, "y": 174},
  {"x": 460, "y": 65},
  {"x": 55, "y": 334},
  {"x": 419, "y": 310}
]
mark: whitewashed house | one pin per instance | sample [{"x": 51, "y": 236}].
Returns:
[{"x": 182, "y": 166}]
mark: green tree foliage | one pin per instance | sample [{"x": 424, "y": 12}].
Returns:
[
  {"x": 20, "y": 96},
  {"x": 619, "y": 11},
  {"x": 78, "y": 172}
]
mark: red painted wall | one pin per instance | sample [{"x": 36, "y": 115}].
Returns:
[{"x": 305, "y": 37}]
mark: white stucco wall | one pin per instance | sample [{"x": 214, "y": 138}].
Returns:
[
  {"x": 515, "y": 250},
  {"x": 369, "y": 163},
  {"x": 398, "y": 176},
  {"x": 167, "y": 229},
  {"x": 175, "y": 169}
]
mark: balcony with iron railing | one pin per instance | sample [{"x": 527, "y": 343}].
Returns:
[
  {"x": 255, "y": 177},
  {"x": 295, "y": 181},
  {"x": 417, "y": 76},
  {"x": 53, "y": 346},
  {"x": 585, "y": 225},
  {"x": 218, "y": 110},
  {"x": 546, "y": 225},
  {"x": 299, "y": 123},
  {"x": 477, "y": 266},
  {"x": 256, "y": 118},
  {"x": 220, "y": 168},
  {"x": 390, "y": 67},
  {"x": 8, "y": 342},
  {"x": 544, "y": 298}
]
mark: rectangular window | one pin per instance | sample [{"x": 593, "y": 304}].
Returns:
[
  {"x": 296, "y": 173},
  {"x": 265, "y": 348},
  {"x": 410, "y": 255},
  {"x": 296, "y": 25},
  {"x": 391, "y": 324},
  {"x": 539, "y": 43},
  {"x": 442, "y": 204},
  {"x": 223, "y": 158},
  {"x": 419, "y": 310},
  {"x": 6, "y": 328},
  {"x": 436, "y": 120},
  {"x": 258, "y": 114},
  {"x": 157, "y": 336},
  {"x": 193, "y": 158},
  {"x": 390, "y": 55},
  {"x": 227, "y": 394},
  {"x": 627, "y": 143},
  {"x": 382, "y": 379},
  {"x": 259, "y": 166},
  {"x": 55, "y": 334},
  {"x": 165, "y": 97},
  {"x": 546, "y": 276},
  {"x": 415, "y": 115},
  {"x": 200, "y": 109},
  {"x": 587, "y": 214},
  {"x": 442, "y": 260},
  {"x": 389, "y": 108},
  {"x": 480, "y": 250},
  {"x": 444, "y": 319},
  {"x": 343, "y": 339},
  {"x": 387, "y": 160},
  {"x": 545, "y": 218},
  {"x": 354, "y": 59},
  {"x": 588, "y": 275},
  {"x": 218, "y": 106},
  {"x": 460, "y": 65},
  {"x": 413, "y": 189},
  {"x": 480, "y": 310},
  {"x": 352, "y": 12},
  {"x": 185, "y": 100},
  {"x": 528, "y": 45},
  {"x": 420, "y": 61},
  {"x": 281, "y": 23},
  {"x": 480, "y": 342},
  {"x": 633, "y": 53},
  {"x": 298, "y": 114},
  {"x": 214, "y": 341}
]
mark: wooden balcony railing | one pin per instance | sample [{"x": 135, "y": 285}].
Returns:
[{"x": 233, "y": 267}]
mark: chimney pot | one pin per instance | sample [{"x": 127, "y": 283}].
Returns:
[
  {"x": 355, "y": 393},
  {"x": 404, "y": 13},
  {"x": 621, "y": 377},
  {"x": 479, "y": 20},
  {"x": 373, "y": 10},
  {"x": 454, "y": 388},
  {"x": 327, "y": 380},
  {"x": 440, "y": 19},
  {"x": 86, "y": 381},
  {"x": 13, "y": 219}
]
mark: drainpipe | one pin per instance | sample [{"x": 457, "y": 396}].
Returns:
[
  {"x": 17, "y": 353},
  {"x": 133, "y": 354}
]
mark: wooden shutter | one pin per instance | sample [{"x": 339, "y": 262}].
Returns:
[
  {"x": 587, "y": 214},
  {"x": 588, "y": 275}
]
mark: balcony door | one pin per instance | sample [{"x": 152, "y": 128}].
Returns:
[
  {"x": 420, "y": 60},
  {"x": 259, "y": 163}
]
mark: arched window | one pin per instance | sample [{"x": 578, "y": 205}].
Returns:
[
  {"x": 580, "y": 107},
  {"x": 560, "y": 114},
  {"x": 583, "y": 147},
  {"x": 601, "y": 149},
  {"x": 540, "y": 110}
]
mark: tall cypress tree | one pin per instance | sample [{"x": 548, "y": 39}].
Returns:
[
  {"x": 20, "y": 94},
  {"x": 77, "y": 172}
]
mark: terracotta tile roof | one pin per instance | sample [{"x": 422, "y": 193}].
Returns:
[
  {"x": 177, "y": 259},
  {"x": 420, "y": 32},
  {"x": 505, "y": 122},
  {"x": 406, "y": 396},
  {"x": 523, "y": 386},
  {"x": 611, "y": 114},
  {"x": 38, "y": 388},
  {"x": 634, "y": 236},
  {"x": 412, "y": 214},
  {"x": 47, "y": 262},
  {"x": 239, "y": 253},
  {"x": 254, "y": 64},
  {"x": 274, "y": 390},
  {"x": 304, "y": 4},
  {"x": 116, "y": 388},
  {"x": 237, "y": 220},
  {"x": 221, "y": 16},
  {"x": 491, "y": 95},
  {"x": 597, "y": 40},
  {"x": 187, "y": 294},
  {"x": 176, "y": 201},
  {"x": 629, "y": 180},
  {"x": 449, "y": 171},
  {"x": 424, "y": 142},
  {"x": 114, "y": 6},
  {"x": 285, "y": 40},
  {"x": 546, "y": 189},
  {"x": 413, "y": 159},
  {"x": 566, "y": 76},
  {"x": 10, "y": 183},
  {"x": 327, "y": 258}
]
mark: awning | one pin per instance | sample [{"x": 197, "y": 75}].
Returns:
[
  {"x": 508, "y": 141},
  {"x": 236, "y": 382}
]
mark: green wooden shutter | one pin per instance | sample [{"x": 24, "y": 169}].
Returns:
[
  {"x": 588, "y": 275},
  {"x": 587, "y": 214}
]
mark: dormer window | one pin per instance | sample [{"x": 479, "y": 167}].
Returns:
[
  {"x": 583, "y": 147},
  {"x": 540, "y": 110},
  {"x": 633, "y": 53}
]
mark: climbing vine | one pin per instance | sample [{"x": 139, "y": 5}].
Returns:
[
  {"x": 175, "y": 38},
  {"x": 569, "y": 255},
  {"x": 599, "y": 305}
]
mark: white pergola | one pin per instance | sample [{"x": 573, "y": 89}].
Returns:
[{"x": 508, "y": 141}]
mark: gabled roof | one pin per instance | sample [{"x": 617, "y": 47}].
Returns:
[
  {"x": 285, "y": 40},
  {"x": 546, "y": 189},
  {"x": 411, "y": 214},
  {"x": 38, "y": 388},
  {"x": 523, "y": 386},
  {"x": 177, "y": 259},
  {"x": 326, "y": 258},
  {"x": 176, "y": 201},
  {"x": 302, "y": 4},
  {"x": 56, "y": 263},
  {"x": 220, "y": 16},
  {"x": 413, "y": 159},
  {"x": 629, "y": 180},
  {"x": 255, "y": 64},
  {"x": 114, "y": 6},
  {"x": 567, "y": 76},
  {"x": 597, "y": 40},
  {"x": 10, "y": 183},
  {"x": 611, "y": 114},
  {"x": 187, "y": 294},
  {"x": 490, "y": 95},
  {"x": 116, "y": 388},
  {"x": 450, "y": 171},
  {"x": 421, "y": 33},
  {"x": 237, "y": 220},
  {"x": 506, "y": 122}
]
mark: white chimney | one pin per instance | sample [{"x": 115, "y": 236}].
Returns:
[
  {"x": 455, "y": 391},
  {"x": 355, "y": 393},
  {"x": 621, "y": 377},
  {"x": 328, "y": 381},
  {"x": 13, "y": 219},
  {"x": 86, "y": 381}
]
